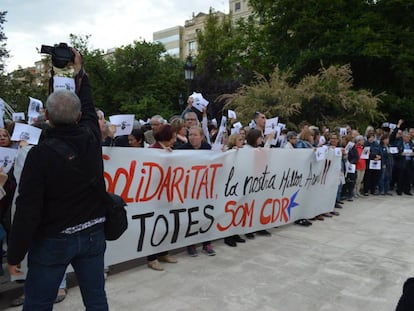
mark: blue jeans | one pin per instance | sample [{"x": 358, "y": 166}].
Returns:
[{"x": 47, "y": 262}]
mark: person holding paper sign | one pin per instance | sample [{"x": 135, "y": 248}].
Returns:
[
  {"x": 164, "y": 139},
  {"x": 5, "y": 138},
  {"x": 236, "y": 141},
  {"x": 372, "y": 174},
  {"x": 386, "y": 166},
  {"x": 396, "y": 142},
  {"x": 197, "y": 142},
  {"x": 361, "y": 164},
  {"x": 352, "y": 159},
  {"x": 406, "y": 165}
]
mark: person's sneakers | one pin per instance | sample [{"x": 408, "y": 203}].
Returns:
[
  {"x": 337, "y": 205},
  {"x": 167, "y": 258},
  {"x": 408, "y": 193},
  {"x": 208, "y": 249},
  {"x": 340, "y": 202},
  {"x": 264, "y": 232},
  {"x": 250, "y": 236},
  {"x": 192, "y": 251},
  {"x": 155, "y": 265}
]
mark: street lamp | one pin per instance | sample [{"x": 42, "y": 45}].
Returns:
[
  {"x": 180, "y": 100},
  {"x": 189, "y": 69}
]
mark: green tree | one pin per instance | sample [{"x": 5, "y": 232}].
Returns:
[
  {"x": 375, "y": 37},
  {"x": 137, "y": 78},
  {"x": 3, "y": 54},
  {"x": 325, "y": 98}
]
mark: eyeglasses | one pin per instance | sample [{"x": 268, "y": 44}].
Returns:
[{"x": 190, "y": 119}]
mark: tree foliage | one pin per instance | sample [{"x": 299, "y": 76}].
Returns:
[
  {"x": 375, "y": 37},
  {"x": 325, "y": 98}
]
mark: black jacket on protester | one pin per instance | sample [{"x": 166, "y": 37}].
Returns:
[{"x": 52, "y": 195}]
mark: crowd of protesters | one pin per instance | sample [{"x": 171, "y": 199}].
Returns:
[{"x": 392, "y": 148}]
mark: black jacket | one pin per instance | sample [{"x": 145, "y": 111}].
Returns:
[{"x": 52, "y": 195}]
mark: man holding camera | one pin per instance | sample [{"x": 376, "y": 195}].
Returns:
[{"x": 60, "y": 210}]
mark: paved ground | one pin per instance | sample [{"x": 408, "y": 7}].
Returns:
[{"x": 357, "y": 261}]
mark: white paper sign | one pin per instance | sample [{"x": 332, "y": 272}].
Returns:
[
  {"x": 7, "y": 156},
  {"x": 26, "y": 132},
  {"x": 2, "y": 104},
  {"x": 234, "y": 130},
  {"x": 349, "y": 146},
  {"x": 374, "y": 165},
  {"x": 18, "y": 116},
  {"x": 237, "y": 125},
  {"x": 124, "y": 123},
  {"x": 35, "y": 106},
  {"x": 199, "y": 102},
  {"x": 392, "y": 126},
  {"x": 271, "y": 125},
  {"x": 322, "y": 140},
  {"x": 407, "y": 152},
  {"x": 342, "y": 131},
  {"x": 338, "y": 152},
  {"x": 218, "y": 143},
  {"x": 351, "y": 168},
  {"x": 320, "y": 153},
  {"x": 393, "y": 150},
  {"x": 63, "y": 83},
  {"x": 1, "y": 119},
  {"x": 231, "y": 114},
  {"x": 365, "y": 153},
  {"x": 281, "y": 125}
]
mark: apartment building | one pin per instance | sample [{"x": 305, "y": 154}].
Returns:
[{"x": 181, "y": 41}]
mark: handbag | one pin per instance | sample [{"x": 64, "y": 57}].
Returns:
[{"x": 116, "y": 220}]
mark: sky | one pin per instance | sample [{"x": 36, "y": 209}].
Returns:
[{"x": 111, "y": 23}]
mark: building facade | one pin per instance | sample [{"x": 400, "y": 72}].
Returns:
[{"x": 181, "y": 41}]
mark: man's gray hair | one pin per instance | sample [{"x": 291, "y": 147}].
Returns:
[
  {"x": 63, "y": 107},
  {"x": 358, "y": 138}
]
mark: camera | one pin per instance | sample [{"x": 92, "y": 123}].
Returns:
[{"x": 61, "y": 54}]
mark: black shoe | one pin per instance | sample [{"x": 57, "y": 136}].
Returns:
[
  {"x": 238, "y": 239},
  {"x": 230, "y": 242},
  {"x": 337, "y": 205},
  {"x": 340, "y": 202},
  {"x": 399, "y": 192},
  {"x": 303, "y": 222},
  {"x": 250, "y": 236},
  {"x": 264, "y": 232},
  {"x": 408, "y": 193}
]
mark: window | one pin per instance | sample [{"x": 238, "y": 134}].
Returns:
[
  {"x": 237, "y": 6},
  {"x": 192, "y": 46}
]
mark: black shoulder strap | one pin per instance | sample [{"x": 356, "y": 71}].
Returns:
[
  {"x": 61, "y": 148},
  {"x": 70, "y": 157}
]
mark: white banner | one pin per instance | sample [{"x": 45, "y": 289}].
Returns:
[{"x": 185, "y": 197}]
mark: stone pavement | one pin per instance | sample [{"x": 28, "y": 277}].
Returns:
[{"x": 356, "y": 261}]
